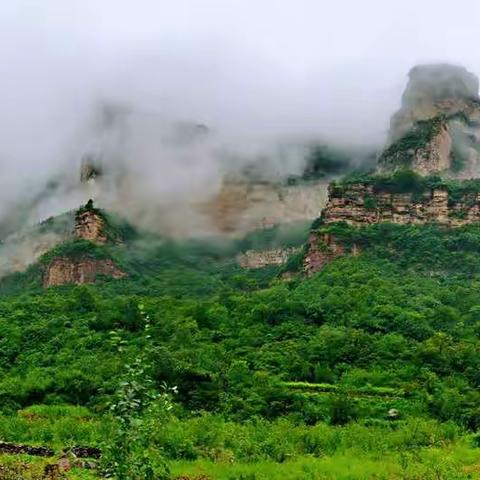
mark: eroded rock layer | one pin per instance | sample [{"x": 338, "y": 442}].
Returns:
[
  {"x": 64, "y": 270},
  {"x": 360, "y": 204},
  {"x": 263, "y": 258},
  {"x": 322, "y": 249},
  {"x": 89, "y": 225},
  {"x": 243, "y": 207}
]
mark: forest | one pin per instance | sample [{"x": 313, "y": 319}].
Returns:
[{"x": 191, "y": 367}]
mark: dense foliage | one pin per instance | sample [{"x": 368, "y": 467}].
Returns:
[{"x": 267, "y": 370}]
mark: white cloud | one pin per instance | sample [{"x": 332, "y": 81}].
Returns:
[{"x": 253, "y": 71}]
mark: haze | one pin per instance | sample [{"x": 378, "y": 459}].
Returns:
[{"x": 254, "y": 72}]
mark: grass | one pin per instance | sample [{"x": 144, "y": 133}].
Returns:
[
  {"x": 26, "y": 467},
  {"x": 55, "y": 426},
  {"x": 457, "y": 462},
  {"x": 451, "y": 462}
]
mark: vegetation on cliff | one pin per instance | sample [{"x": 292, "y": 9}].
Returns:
[
  {"x": 323, "y": 161},
  {"x": 458, "y": 127},
  {"x": 408, "y": 181},
  {"x": 401, "y": 153}
]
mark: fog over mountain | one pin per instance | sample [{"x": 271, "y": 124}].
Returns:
[{"x": 258, "y": 75}]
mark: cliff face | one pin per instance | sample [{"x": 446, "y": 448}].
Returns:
[
  {"x": 360, "y": 204},
  {"x": 435, "y": 155},
  {"x": 437, "y": 128},
  {"x": 434, "y": 90},
  {"x": 64, "y": 270},
  {"x": 322, "y": 249},
  {"x": 242, "y": 207},
  {"x": 257, "y": 259},
  {"x": 89, "y": 225}
]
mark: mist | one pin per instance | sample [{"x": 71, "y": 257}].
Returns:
[{"x": 263, "y": 79}]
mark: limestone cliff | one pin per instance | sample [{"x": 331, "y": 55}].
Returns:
[
  {"x": 435, "y": 155},
  {"x": 241, "y": 207},
  {"x": 64, "y": 270},
  {"x": 90, "y": 224},
  {"x": 252, "y": 259},
  {"x": 361, "y": 204},
  {"x": 433, "y": 90},
  {"x": 437, "y": 128}
]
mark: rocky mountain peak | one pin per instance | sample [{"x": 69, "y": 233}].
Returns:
[
  {"x": 437, "y": 82},
  {"x": 437, "y": 128},
  {"x": 89, "y": 224},
  {"x": 433, "y": 90}
]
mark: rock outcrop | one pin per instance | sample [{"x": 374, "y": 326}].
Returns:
[
  {"x": 64, "y": 270},
  {"x": 360, "y": 204},
  {"x": 434, "y": 90},
  {"x": 252, "y": 259},
  {"x": 435, "y": 156},
  {"x": 241, "y": 207},
  {"x": 437, "y": 128},
  {"x": 90, "y": 169},
  {"x": 89, "y": 225},
  {"x": 322, "y": 249},
  {"x": 82, "y": 268}
]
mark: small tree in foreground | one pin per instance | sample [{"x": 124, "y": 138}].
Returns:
[{"x": 128, "y": 456}]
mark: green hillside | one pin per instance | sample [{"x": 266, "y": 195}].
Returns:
[{"x": 258, "y": 370}]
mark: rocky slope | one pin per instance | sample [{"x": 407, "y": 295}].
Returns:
[
  {"x": 19, "y": 250},
  {"x": 361, "y": 204},
  {"x": 242, "y": 207},
  {"x": 322, "y": 248},
  {"x": 90, "y": 226},
  {"x": 263, "y": 258},
  {"x": 65, "y": 270},
  {"x": 437, "y": 128}
]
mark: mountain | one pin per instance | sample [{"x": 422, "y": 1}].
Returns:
[
  {"x": 344, "y": 348},
  {"x": 437, "y": 128}
]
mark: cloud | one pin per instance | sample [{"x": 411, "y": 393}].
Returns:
[{"x": 258, "y": 74}]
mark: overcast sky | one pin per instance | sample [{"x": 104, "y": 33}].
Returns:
[{"x": 262, "y": 68}]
